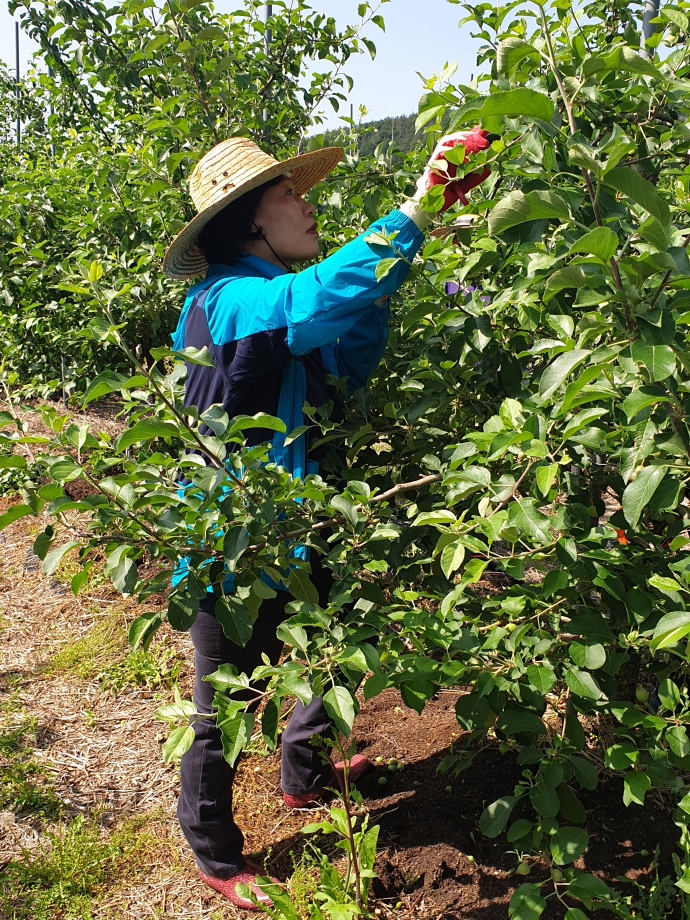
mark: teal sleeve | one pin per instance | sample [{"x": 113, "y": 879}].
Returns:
[{"x": 321, "y": 304}]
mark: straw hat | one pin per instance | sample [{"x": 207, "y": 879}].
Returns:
[{"x": 230, "y": 169}]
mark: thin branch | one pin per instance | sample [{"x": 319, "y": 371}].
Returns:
[
  {"x": 667, "y": 277},
  {"x": 573, "y": 130},
  {"x": 334, "y": 522}
]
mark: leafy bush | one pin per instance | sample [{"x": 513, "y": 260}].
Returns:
[
  {"x": 509, "y": 509},
  {"x": 137, "y": 94}
]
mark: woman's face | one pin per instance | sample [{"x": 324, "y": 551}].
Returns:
[{"x": 287, "y": 222}]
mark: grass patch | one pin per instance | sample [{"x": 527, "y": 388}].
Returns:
[
  {"x": 25, "y": 785},
  {"x": 157, "y": 666},
  {"x": 304, "y": 882},
  {"x": 89, "y": 656},
  {"x": 80, "y": 863}
]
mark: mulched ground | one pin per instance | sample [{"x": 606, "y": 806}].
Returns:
[{"x": 103, "y": 753}]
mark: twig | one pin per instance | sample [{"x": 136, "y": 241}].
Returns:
[
  {"x": 573, "y": 130},
  {"x": 333, "y": 522},
  {"x": 667, "y": 276}
]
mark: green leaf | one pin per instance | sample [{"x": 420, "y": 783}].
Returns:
[
  {"x": 545, "y": 477},
  {"x": 572, "y": 276},
  {"x": 622, "y": 59},
  {"x": 559, "y": 369},
  {"x": 14, "y": 514},
  {"x": 676, "y": 16},
  {"x": 178, "y": 743},
  {"x": 586, "y": 887},
  {"x": 293, "y": 635},
  {"x": 510, "y": 52},
  {"x": 518, "y": 103},
  {"x": 43, "y": 541},
  {"x": 13, "y": 462},
  {"x": 340, "y": 706},
  {"x": 105, "y": 383},
  {"x": 260, "y": 420},
  {"x": 669, "y": 694},
  {"x": 642, "y": 398},
  {"x": 514, "y": 722},
  {"x": 581, "y": 683},
  {"x": 660, "y": 360},
  {"x": 495, "y": 816},
  {"x": 143, "y": 629},
  {"x": 600, "y": 242},
  {"x": 182, "y": 611},
  {"x": 417, "y": 693},
  {"x": 524, "y": 515},
  {"x": 301, "y": 587},
  {"x": 78, "y": 581},
  {"x": 296, "y": 433},
  {"x": 346, "y": 507},
  {"x": 574, "y": 913},
  {"x": 452, "y": 557},
  {"x": 54, "y": 557},
  {"x": 146, "y": 430},
  {"x": 234, "y": 618},
  {"x": 542, "y": 679},
  {"x": 587, "y": 656},
  {"x": 639, "y": 492},
  {"x": 629, "y": 182},
  {"x": 544, "y": 800},
  {"x": 235, "y": 733},
  {"x": 678, "y": 740},
  {"x": 526, "y": 903},
  {"x": 519, "y": 829},
  {"x": 670, "y": 629},
  {"x": 434, "y": 517},
  {"x": 384, "y": 267},
  {"x": 518, "y": 208},
  {"x": 270, "y": 720},
  {"x": 636, "y": 785},
  {"x": 585, "y": 772},
  {"x": 568, "y": 844}
]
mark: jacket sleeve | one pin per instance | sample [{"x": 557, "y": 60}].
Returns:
[
  {"x": 323, "y": 303},
  {"x": 358, "y": 353}
]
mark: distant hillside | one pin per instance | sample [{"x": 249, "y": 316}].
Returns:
[{"x": 400, "y": 128}]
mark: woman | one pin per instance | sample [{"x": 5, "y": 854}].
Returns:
[{"x": 275, "y": 337}]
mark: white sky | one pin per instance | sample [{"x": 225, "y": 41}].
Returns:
[{"x": 421, "y": 35}]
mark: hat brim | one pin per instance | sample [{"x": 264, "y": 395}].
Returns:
[{"x": 184, "y": 259}]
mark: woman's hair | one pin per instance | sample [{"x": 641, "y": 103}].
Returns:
[{"x": 222, "y": 239}]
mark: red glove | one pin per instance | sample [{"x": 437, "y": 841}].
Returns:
[{"x": 440, "y": 172}]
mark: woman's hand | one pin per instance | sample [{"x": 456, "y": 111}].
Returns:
[{"x": 440, "y": 172}]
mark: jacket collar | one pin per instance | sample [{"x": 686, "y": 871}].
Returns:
[{"x": 245, "y": 266}]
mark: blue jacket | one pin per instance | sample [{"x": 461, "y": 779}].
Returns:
[{"x": 276, "y": 336}]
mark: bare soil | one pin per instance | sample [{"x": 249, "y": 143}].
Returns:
[{"x": 102, "y": 752}]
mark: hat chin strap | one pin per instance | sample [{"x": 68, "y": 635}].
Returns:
[{"x": 263, "y": 237}]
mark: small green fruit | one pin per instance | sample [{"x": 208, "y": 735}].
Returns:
[
  {"x": 449, "y": 788},
  {"x": 401, "y": 767},
  {"x": 524, "y": 869},
  {"x": 644, "y": 852},
  {"x": 470, "y": 859},
  {"x": 382, "y": 780},
  {"x": 392, "y": 767},
  {"x": 511, "y": 627},
  {"x": 379, "y": 760},
  {"x": 503, "y": 747},
  {"x": 416, "y": 782},
  {"x": 641, "y": 694},
  {"x": 392, "y": 762}
]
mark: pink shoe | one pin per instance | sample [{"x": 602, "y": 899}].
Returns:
[
  {"x": 247, "y": 876},
  {"x": 359, "y": 766}
]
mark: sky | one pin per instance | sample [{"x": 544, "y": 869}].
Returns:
[{"x": 421, "y": 35}]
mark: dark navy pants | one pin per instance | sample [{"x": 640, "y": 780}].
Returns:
[{"x": 204, "y": 808}]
